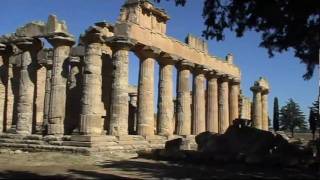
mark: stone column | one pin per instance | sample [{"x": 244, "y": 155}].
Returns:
[
  {"x": 145, "y": 95},
  {"x": 165, "y": 99},
  {"x": 2, "y": 85},
  {"x": 26, "y": 97},
  {"x": 183, "y": 126},
  {"x": 119, "y": 96},
  {"x": 92, "y": 107},
  {"x": 265, "y": 117},
  {"x": 61, "y": 45},
  {"x": 199, "y": 102},
  {"x": 46, "y": 108},
  {"x": 234, "y": 99},
  {"x": 133, "y": 113},
  {"x": 257, "y": 107},
  {"x": 223, "y": 94},
  {"x": 212, "y": 121}
]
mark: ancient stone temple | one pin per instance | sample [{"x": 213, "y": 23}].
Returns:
[{"x": 76, "y": 96}]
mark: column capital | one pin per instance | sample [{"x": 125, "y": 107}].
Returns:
[
  {"x": 213, "y": 74},
  {"x": 167, "y": 58},
  {"x": 121, "y": 43},
  {"x": 256, "y": 89},
  {"x": 60, "y": 39},
  {"x": 74, "y": 60},
  {"x": 144, "y": 52},
  {"x": 200, "y": 69},
  {"x": 235, "y": 81},
  {"x": 265, "y": 91},
  {"x": 28, "y": 44},
  {"x": 92, "y": 35},
  {"x": 225, "y": 78},
  {"x": 185, "y": 64}
]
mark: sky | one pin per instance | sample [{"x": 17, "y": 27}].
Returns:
[{"x": 283, "y": 71}]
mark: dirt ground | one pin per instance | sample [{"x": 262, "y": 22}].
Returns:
[{"x": 48, "y": 165}]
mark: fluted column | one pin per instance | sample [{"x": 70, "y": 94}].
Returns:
[
  {"x": 145, "y": 96},
  {"x": 119, "y": 97},
  {"x": 223, "y": 94},
  {"x": 46, "y": 108},
  {"x": 257, "y": 107},
  {"x": 3, "y": 75},
  {"x": 199, "y": 103},
  {"x": 265, "y": 118},
  {"x": 212, "y": 119},
  {"x": 92, "y": 107},
  {"x": 234, "y": 99},
  {"x": 61, "y": 45},
  {"x": 165, "y": 99},
  {"x": 183, "y": 126},
  {"x": 27, "y": 65}
]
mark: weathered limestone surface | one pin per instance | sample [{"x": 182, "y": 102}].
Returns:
[
  {"x": 2, "y": 86},
  {"x": 10, "y": 100},
  {"x": 57, "y": 112},
  {"x": 40, "y": 97},
  {"x": 25, "y": 106},
  {"x": 234, "y": 99},
  {"x": 146, "y": 97},
  {"x": 265, "y": 115},
  {"x": 257, "y": 108},
  {"x": 165, "y": 100},
  {"x": 119, "y": 102},
  {"x": 245, "y": 107},
  {"x": 212, "y": 121},
  {"x": 183, "y": 126},
  {"x": 92, "y": 107},
  {"x": 199, "y": 102},
  {"x": 48, "y": 66},
  {"x": 223, "y": 104}
]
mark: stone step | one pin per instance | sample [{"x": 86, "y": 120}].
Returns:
[
  {"x": 102, "y": 138},
  {"x": 20, "y": 141},
  {"x": 131, "y": 138},
  {"x": 34, "y": 147},
  {"x": 140, "y": 142},
  {"x": 11, "y": 136},
  {"x": 88, "y": 144}
]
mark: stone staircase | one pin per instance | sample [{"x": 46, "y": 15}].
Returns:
[{"x": 87, "y": 144}]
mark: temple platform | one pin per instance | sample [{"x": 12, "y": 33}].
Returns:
[{"x": 87, "y": 145}]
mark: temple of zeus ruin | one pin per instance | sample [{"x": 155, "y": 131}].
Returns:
[{"x": 82, "y": 90}]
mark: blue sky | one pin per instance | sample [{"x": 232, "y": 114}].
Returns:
[{"x": 283, "y": 71}]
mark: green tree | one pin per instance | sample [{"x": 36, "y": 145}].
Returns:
[
  {"x": 291, "y": 117},
  {"x": 314, "y": 118},
  {"x": 283, "y": 24},
  {"x": 276, "y": 114}
]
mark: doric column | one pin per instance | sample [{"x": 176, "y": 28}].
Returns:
[
  {"x": 234, "y": 99},
  {"x": 27, "y": 65},
  {"x": 61, "y": 45},
  {"x": 257, "y": 107},
  {"x": 199, "y": 103},
  {"x": 223, "y": 94},
  {"x": 183, "y": 126},
  {"x": 146, "y": 93},
  {"x": 46, "y": 108},
  {"x": 119, "y": 96},
  {"x": 92, "y": 107},
  {"x": 265, "y": 118},
  {"x": 212, "y": 119},
  {"x": 133, "y": 113},
  {"x": 3, "y": 77},
  {"x": 165, "y": 98}
]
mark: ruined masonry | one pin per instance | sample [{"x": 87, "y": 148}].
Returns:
[{"x": 77, "y": 98}]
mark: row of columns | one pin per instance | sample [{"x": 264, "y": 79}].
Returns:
[{"x": 209, "y": 109}]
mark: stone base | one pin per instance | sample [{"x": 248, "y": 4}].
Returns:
[{"x": 83, "y": 144}]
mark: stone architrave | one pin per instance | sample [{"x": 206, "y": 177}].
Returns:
[
  {"x": 265, "y": 118},
  {"x": 165, "y": 98},
  {"x": 234, "y": 99},
  {"x": 28, "y": 73},
  {"x": 183, "y": 126},
  {"x": 212, "y": 121},
  {"x": 223, "y": 94},
  {"x": 2, "y": 85},
  {"x": 146, "y": 93},
  {"x": 257, "y": 107},
  {"x": 61, "y": 44},
  {"x": 92, "y": 107},
  {"x": 119, "y": 102},
  {"x": 199, "y": 101}
]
